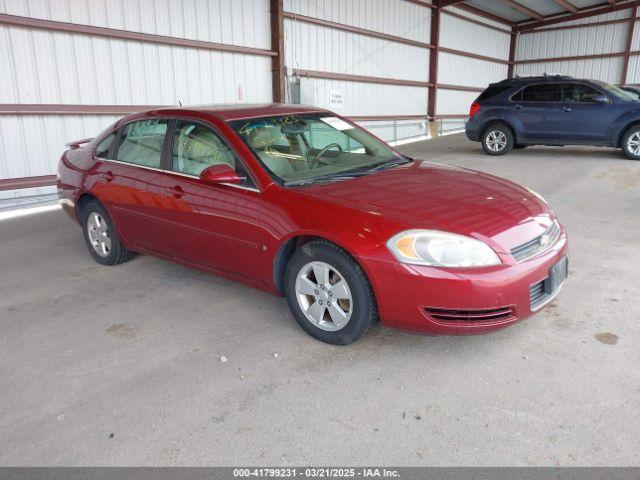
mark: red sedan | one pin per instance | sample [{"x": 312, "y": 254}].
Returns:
[{"x": 303, "y": 203}]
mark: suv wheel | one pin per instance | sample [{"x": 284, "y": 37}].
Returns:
[
  {"x": 631, "y": 143},
  {"x": 497, "y": 140}
]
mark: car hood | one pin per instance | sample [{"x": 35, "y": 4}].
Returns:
[{"x": 441, "y": 197}]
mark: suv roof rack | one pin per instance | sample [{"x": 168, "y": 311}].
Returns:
[{"x": 545, "y": 76}]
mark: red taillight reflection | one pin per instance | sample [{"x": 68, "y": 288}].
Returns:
[{"x": 474, "y": 109}]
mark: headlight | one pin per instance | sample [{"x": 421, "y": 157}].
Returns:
[{"x": 441, "y": 249}]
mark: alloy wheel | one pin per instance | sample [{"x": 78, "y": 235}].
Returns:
[
  {"x": 98, "y": 232},
  {"x": 633, "y": 144},
  {"x": 496, "y": 141},
  {"x": 324, "y": 296}
]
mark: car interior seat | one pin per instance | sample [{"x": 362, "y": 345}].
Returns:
[
  {"x": 262, "y": 139},
  {"x": 199, "y": 148}
]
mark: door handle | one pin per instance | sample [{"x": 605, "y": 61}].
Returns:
[
  {"x": 176, "y": 191},
  {"x": 566, "y": 109},
  {"x": 519, "y": 107},
  {"x": 107, "y": 176}
]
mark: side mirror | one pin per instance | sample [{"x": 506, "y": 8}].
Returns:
[
  {"x": 600, "y": 98},
  {"x": 222, "y": 173}
]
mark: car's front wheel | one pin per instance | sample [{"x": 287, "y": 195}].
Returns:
[
  {"x": 101, "y": 237},
  {"x": 497, "y": 140},
  {"x": 329, "y": 294},
  {"x": 631, "y": 143}
]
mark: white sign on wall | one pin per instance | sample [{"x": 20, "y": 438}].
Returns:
[{"x": 336, "y": 100}]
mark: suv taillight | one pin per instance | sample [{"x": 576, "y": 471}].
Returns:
[{"x": 474, "y": 109}]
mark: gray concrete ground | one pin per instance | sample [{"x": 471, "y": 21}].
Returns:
[{"x": 121, "y": 366}]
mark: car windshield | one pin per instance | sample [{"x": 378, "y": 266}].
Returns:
[
  {"x": 618, "y": 92},
  {"x": 316, "y": 147}
]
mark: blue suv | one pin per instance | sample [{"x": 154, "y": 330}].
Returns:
[{"x": 555, "y": 110}]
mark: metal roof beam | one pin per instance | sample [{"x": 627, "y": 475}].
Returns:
[
  {"x": 567, "y": 6},
  {"x": 582, "y": 13},
  {"x": 483, "y": 13},
  {"x": 526, "y": 10}
]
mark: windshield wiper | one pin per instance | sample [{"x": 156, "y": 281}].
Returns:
[
  {"x": 323, "y": 179},
  {"x": 389, "y": 164},
  {"x": 349, "y": 174}
]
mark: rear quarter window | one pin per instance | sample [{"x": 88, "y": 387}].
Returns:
[
  {"x": 493, "y": 91},
  {"x": 102, "y": 150}
]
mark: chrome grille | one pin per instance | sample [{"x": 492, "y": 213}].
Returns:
[{"x": 532, "y": 247}]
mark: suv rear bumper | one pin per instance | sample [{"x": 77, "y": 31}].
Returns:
[{"x": 472, "y": 129}]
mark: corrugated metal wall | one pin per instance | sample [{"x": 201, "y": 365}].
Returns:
[
  {"x": 605, "y": 69},
  {"x": 470, "y": 37},
  {"x": 325, "y": 49},
  {"x": 54, "y": 67},
  {"x": 244, "y": 22},
  {"x": 399, "y": 18},
  {"x": 633, "y": 74},
  {"x": 599, "y": 39},
  {"x": 43, "y": 66},
  {"x": 48, "y": 67}
]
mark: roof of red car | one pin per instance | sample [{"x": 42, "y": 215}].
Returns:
[{"x": 243, "y": 110}]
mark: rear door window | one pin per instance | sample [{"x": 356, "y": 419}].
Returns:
[
  {"x": 545, "y": 92},
  {"x": 142, "y": 143}
]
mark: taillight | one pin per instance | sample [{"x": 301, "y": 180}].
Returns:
[{"x": 474, "y": 109}]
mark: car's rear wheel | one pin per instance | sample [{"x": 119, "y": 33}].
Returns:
[
  {"x": 329, "y": 294},
  {"x": 631, "y": 143},
  {"x": 101, "y": 237},
  {"x": 497, "y": 140}
]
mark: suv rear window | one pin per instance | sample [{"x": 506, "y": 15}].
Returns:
[{"x": 492, "y": 91}]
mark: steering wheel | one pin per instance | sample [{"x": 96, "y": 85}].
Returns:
[{"x": 313, "y": 163}]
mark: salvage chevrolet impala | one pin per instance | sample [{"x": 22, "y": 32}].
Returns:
[{"x": 303, "y": 203}]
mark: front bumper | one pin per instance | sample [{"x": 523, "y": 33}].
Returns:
[{"x": 408, "y": 295}]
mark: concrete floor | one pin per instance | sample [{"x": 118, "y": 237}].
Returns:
[{"x": 121, "y": 366}]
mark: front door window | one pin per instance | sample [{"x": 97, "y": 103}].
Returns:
[{"x": 196, "y": 147}]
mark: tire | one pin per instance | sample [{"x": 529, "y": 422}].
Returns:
[
  {"x": 307, "y": 295},
  {"x": 631, "y": 143},
  {"x": 101, "y": 237},
  {"x": 497, "y": 140}
]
